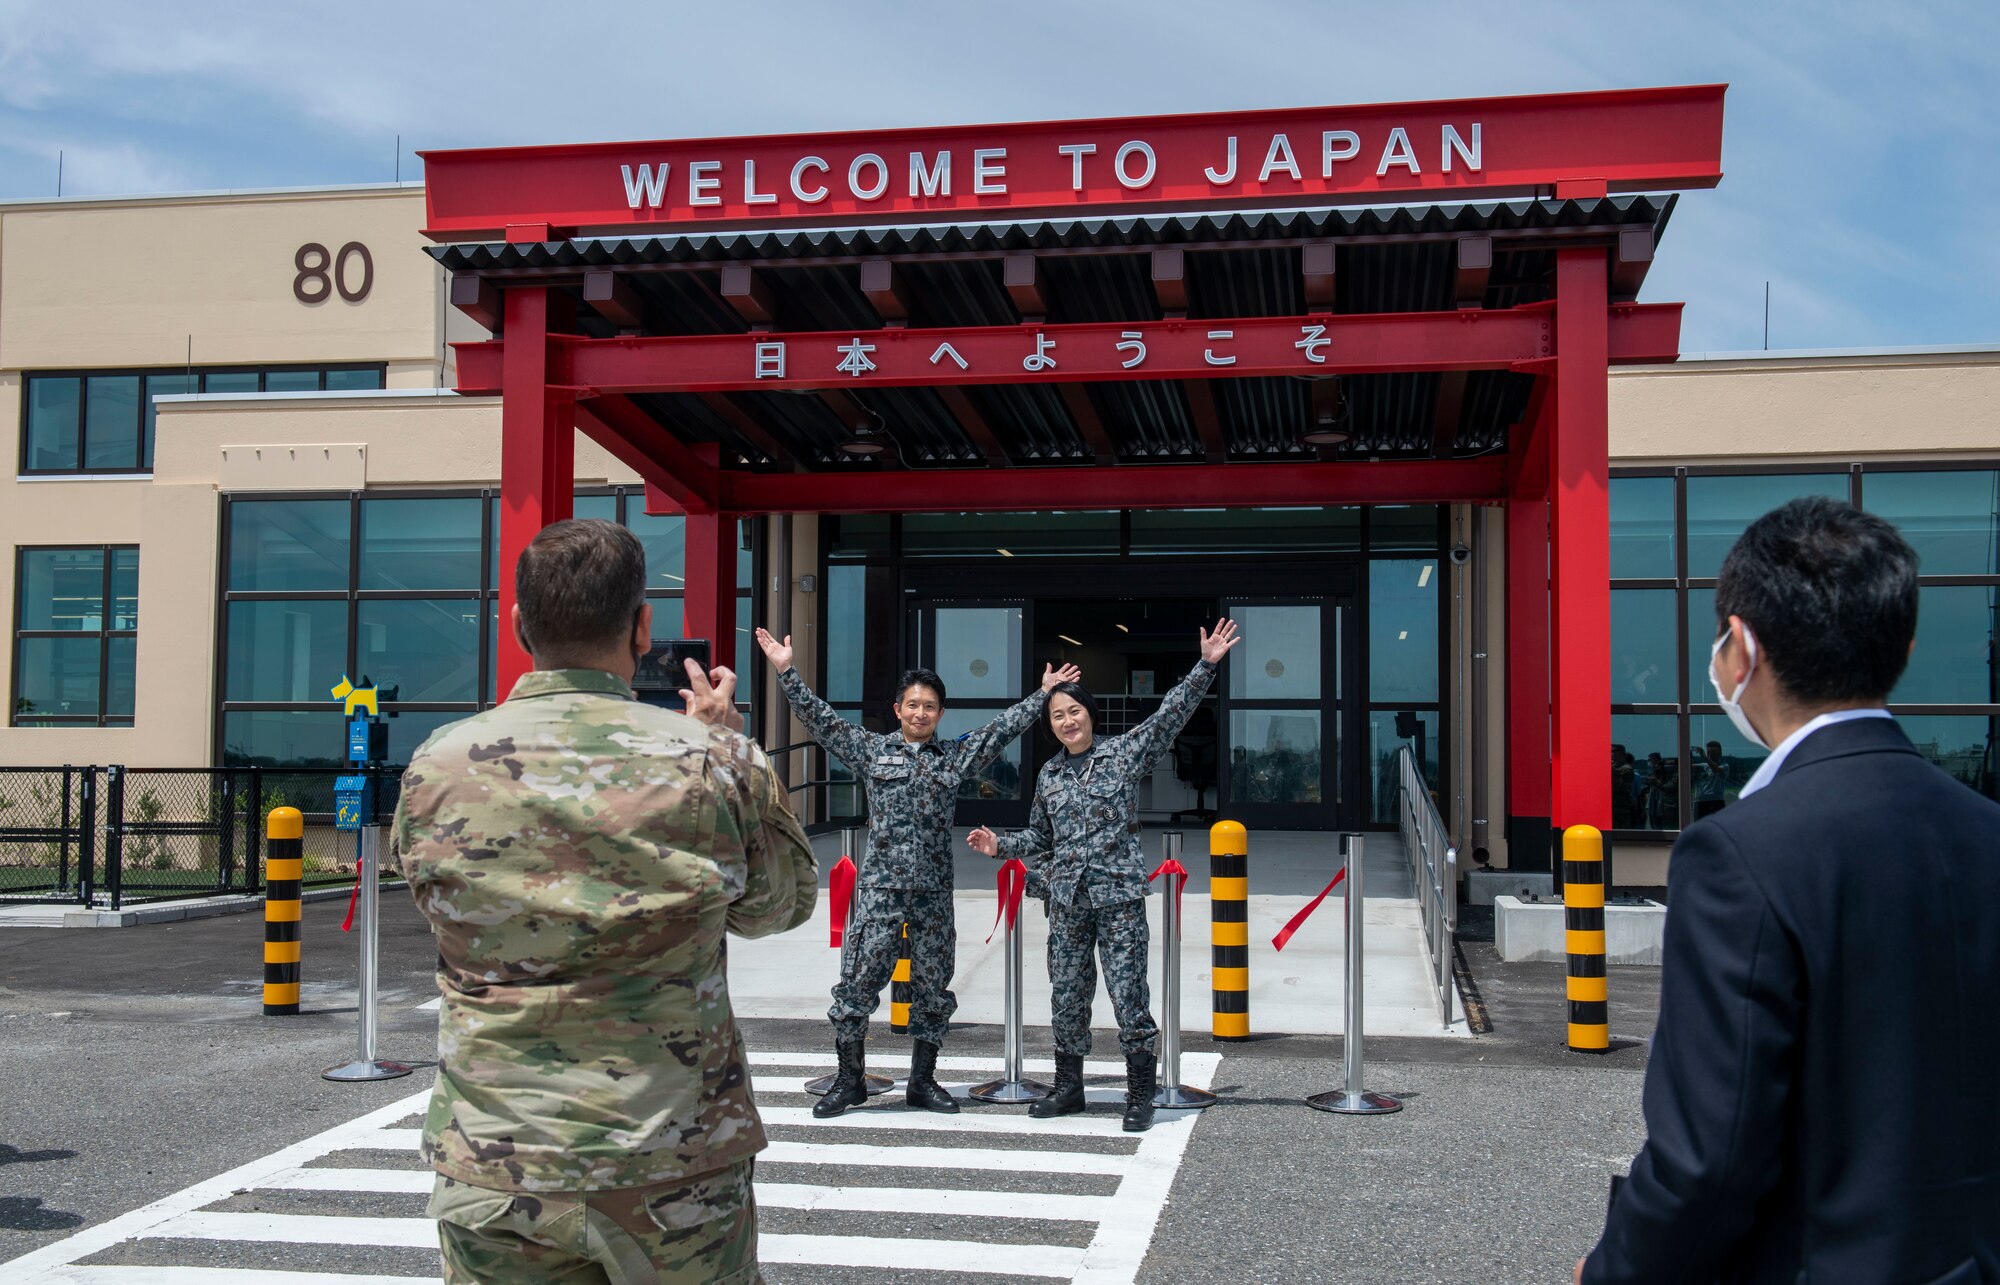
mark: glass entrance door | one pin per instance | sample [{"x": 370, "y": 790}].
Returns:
[
  {"x": 1283, "y": 713},
  {"x": 978, "y": 650}
]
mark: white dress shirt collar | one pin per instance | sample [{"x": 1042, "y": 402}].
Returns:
[{"x": 1770, "y": 767}]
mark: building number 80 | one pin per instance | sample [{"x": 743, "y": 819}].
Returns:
[{"x": 321, "y": 273}]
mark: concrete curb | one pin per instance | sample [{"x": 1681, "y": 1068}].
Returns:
[
  {"x": 161, "y": 912},
  {"x": 1534, "y": 932}
]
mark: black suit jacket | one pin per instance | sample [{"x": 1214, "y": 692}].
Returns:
[{"x": 1823, "y": 1100}]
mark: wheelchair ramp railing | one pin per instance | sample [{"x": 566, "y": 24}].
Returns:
[{"x": 1434, "y": 876}]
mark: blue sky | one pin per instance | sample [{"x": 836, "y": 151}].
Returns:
[{"x": 1861, "y": 150}]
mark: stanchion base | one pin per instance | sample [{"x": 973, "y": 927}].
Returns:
[
  {"x": 872, "y": 1085},
  {"x": 1344, "y": 1103},
  {"x": 1009, "y": 1091},
  {"x": 349, "y": 1072},
  {"x": 1179, "y": 1095}
]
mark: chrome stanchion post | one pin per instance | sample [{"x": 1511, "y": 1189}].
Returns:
[
  {"x": 1353, "y": 1099},
  {"x": 1172, "y": 1093},
  {"x": 1012, "y": 1086},
  {"x": 872, "y": 1084},
  {"x": 365, "y": 1066}
]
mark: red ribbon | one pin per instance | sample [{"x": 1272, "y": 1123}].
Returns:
[
  {"x": 1013, "y": 882},
  {"x": 1173, "y": 867},
  {"x": 840, "y": 893},
  {"x": 1285, "y": 933},
  {"x": 347, "y": 924}
]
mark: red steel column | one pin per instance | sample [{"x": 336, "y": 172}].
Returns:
[
  {"x": 537, "y": 453},
  {"x": 1580, "y": 543},
  {"x": 1528, "y": 809},
  {"x": 711, "y": 584}
]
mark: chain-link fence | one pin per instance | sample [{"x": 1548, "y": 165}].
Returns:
[
  {"x": 48, "y": 833},
  {"x": 178, "y": 832}
]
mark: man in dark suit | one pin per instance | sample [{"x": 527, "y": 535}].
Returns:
[{"x": 1823, "y": 1100}]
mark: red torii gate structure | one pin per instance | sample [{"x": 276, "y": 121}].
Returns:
[{"x": 547, "y": 246}]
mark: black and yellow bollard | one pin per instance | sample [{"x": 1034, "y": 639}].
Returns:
[
  {"x": 1229, "y": 929},
  {"x": 284, "y": 871},
  {"x": 1583, "y": 922},
  {"x": 899, "y": 988}
]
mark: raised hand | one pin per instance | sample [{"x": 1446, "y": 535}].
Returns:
[
  {"x": 1216, "y": 645},
  {"x": 711, "y": 697},
  {"x": 1052, "y": 676},
  {"x": 984, "y": 841},
  {"x": 778, "y": 653}
]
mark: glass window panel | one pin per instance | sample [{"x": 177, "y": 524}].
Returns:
[
  {"x": 420, "y": 544},
  {"x": 746, "y": 557},
  {"x": 231, "y": 381},
  {"x": 979, "y": 652},
  {"x": 1384, "y": 740},
  {"x": 111, "y": 422},
  {"x": 1645, "y": 771},
  {"x": 1955, "y": 661},
  {"x": 349, "y": 380},
  {"x": 162, "y": 386},
  {"x": 1279, "y": 657},
  {"x": 1642, "y": 528},
  {"x": 1274, "y": 756},
  {"x": 55, "y": 408},
  {"x": 1010, "y": 535},
  {"x": 1702, "y": 632},
  {"x": 425, "y": 650},
  {"x": 122, "y": 667},
  {"x": 285, "y": 739},
  {"x": 292, "y": 545},
  {"x": 62, "y": 589},
  {"x": 846, "y": 631},
  {"x": 410, "y": 728},
  {"x": 1246, "y": 531},
  {"x": 1402, "y": 629},
  {"x": 1403, "y": 528},
  {"x": 665, "y": 539},
  {"x": 1719, "y": 508},
  {"x": 1723, "y": 763},
  {"x": 58, "y": 676},
  {"x": 604, "y": 507},
  {"x": 858, "y": 535},
  {"x": 493, "y": 650},
  {"x": 1968, "y": 748},
  {"x": 1003, "y": 778},
  {"x": 1951, "y": 519},
  {"x": 124, "y": 589},
  {"x": 285, "y": 651},
  {"x": 291, "y": 381},
  {"x": 1645, "y": 661}
]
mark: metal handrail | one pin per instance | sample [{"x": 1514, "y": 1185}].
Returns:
[{"x": 1434, "y": 875}]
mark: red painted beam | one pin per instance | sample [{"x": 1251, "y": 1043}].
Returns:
[
  {"x": 1631, "y": 140},
  {"x": 662, "y": 460},
  {"x": 1644, "y": 333},
  {"x": 537, "y": 455},
  {"x": 1130, "y": 486}
]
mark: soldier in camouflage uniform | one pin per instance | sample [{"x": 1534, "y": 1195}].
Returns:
[
  {"x": 1083, "y": 836},
  {"x": 912, "y": 782},
  {"x": 581, "y": 857}
]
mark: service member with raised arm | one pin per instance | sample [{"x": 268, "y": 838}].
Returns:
[
  {"x": 1083, "y": 836},
  {"x": 911, "y": 781}
]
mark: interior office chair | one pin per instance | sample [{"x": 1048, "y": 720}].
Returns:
[{"x": 1195, "y": 763}]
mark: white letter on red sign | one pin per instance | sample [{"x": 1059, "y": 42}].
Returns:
[
  {"x": 1208, "y": 354},
  {"x": 1346, "y": 140},
  {"x": 1076, "y": 152},
  {"x": 1452, "y": 142},
  {"x": 1136, "y": 147},
  {"x": 1040, "y": 359},
  {"x": 701, "y": 181},
  {"x": 1279, "y": 158},
  {"x": 751, "y": 196},
  {"x": 984, "y": 171},
  {"x": 935, "y": 181},
  {"x": 1134, "y": 341},
  {"x": 771, "y": 361},
  {"x": 856, "y": 361},
  {"x": 1315, "y": 339},
  {"x": 811, "y": 196},
  {"x": 1397, "y": 151},
  {"x": 1228, "y": 174},
  {"x": 654, "y": 186},
  {"x": 946, "y": 350},
  {"x": 881, "y": 184}
]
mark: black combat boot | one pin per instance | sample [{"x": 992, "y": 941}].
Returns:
[
  {"x": 1141, "y": 1078},
  {"x": 923, "y": 1090},
  {"x": 1068, "y": 1096},
  {"x": 850, "y": 1086}
]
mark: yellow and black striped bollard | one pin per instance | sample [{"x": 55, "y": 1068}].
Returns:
[
  {"x": 1229, "y": 928},
  {"x": 899, "y": 988},
  {"x": 1583, "y": 921},
  {"x": 284, "y": 871}
]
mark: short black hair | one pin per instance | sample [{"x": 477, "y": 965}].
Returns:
[
  {"x": 919, "y": 678},
  {"x": 1081, "y": 695},
  {"x": 580, "y": 584},
  {"x": 1830, "y": 593}
]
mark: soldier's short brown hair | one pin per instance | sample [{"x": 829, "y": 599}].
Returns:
[{"x": 580, "y": 584}]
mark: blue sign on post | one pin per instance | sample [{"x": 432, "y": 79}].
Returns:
[
  {"x": 357, "y": 742},
  {"x": 349, "y": 800}
]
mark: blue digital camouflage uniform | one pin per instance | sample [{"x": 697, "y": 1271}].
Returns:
[
  {"x": 1083, "y": 841},
  {"x": 906, "y": 873},
  {"x": 580, "y": 857}
]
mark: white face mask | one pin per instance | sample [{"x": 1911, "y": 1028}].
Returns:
[{"x": 1737, "y": 717}]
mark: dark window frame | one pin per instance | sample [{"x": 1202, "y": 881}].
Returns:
[{"x": 104, "y": 636}]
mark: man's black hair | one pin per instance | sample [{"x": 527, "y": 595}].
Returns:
[
  {"x": 1830, "y": 593},
  {"x": 920, "y": 678},
  {"x": 1081, "y": 695}
]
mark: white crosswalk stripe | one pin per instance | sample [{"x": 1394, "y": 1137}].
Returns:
[{"x": 823, "y": 1198}]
